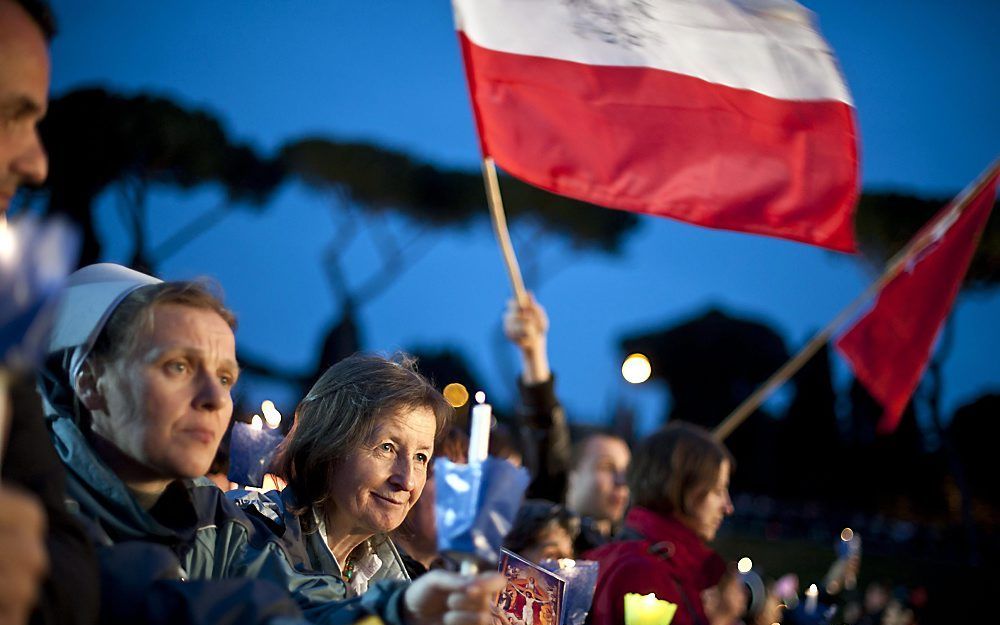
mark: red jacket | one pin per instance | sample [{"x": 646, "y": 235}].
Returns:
[{"x": 669, "y": 559}]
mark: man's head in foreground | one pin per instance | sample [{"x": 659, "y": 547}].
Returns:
[{"x": 25, "y": 29}]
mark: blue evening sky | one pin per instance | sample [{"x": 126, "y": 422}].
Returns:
[{"x": 924, "y": 77}]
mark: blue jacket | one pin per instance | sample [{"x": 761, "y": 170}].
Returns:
[
  {"x": 306, "y": 548},
  {"x": 195, "y": 557}
]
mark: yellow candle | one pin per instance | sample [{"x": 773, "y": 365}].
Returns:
[{"x": 648, "y": 610}]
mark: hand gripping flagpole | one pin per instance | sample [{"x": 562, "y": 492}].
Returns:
[
  {"x": 928, "y": 235},
  {"x": 499, "y": 220}
]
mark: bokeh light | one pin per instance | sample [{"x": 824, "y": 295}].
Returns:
[
  {"x": 636, "y": 369},
  {"x": 456, "y": 394}
]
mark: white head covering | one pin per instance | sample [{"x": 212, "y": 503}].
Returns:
[{"x": 91, "y": 295}]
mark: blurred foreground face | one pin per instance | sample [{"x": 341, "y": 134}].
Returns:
[
  {"x": 374, "y": 488},
  {"x": 24, "y": 88},
  {"x": 707, "y": 514},
  {"x": 596, "y": 487},
  {"x": 166, "y": 405}
]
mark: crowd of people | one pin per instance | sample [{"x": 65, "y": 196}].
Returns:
[{"x": 106, "y": 514}]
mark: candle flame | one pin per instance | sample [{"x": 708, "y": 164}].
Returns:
[
  {"x": 271, "y": 414},
  {"x": 812, "y": 591},
  {"x": 847, "y": 535},
  {"x": 256, "y": 423},
  {"x": 744, "y": 565},
  {"x": 648, "y": 610},
  {"x": 480, "y": 397}
]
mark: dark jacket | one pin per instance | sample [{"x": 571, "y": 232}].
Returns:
[
  {"x": 659, "y": 555},
  {"x": 544, "y": 436},
  {"x": 69, "y": 594}
]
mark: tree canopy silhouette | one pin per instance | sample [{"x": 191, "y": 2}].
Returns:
[
  {"x": 887, "y": 221},
  {"x": 711, "y": 362},
  {"x": 381, "y": 179},
  {"x": 97, "y": 139}
]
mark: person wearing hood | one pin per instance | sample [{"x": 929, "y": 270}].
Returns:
[{"x": 138, "y": 392}]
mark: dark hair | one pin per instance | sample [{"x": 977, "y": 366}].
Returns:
[
  {"x": 340, "y": 413},
  {"x": 453, "y": 445},
  {"x": 675, "y": 466},
  {"x": 579, "y": 449},
  {"x": 41, "y": 13},
  {"x": 135, "y": 314},
  {"x": 533, "y": 517},
  {"x": 502, "y": 442}
]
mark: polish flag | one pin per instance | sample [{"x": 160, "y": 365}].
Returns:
[
  {"x": 730, "y": 114},
  {"x": 890, "y": 346}
]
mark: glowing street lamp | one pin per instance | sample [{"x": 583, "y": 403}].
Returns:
[{"x": 636, "y": 369}]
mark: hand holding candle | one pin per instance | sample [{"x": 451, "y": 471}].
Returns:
[
  {"x": 476, "y": 503},
  {"x": 648, "y": 610}
]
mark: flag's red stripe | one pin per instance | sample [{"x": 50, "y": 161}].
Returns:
[{"x": 652, "y": 141}]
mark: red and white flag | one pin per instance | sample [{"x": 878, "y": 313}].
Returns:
[
  {"x": 890, "y": 346},
  {"x": 726, "y": 113}
]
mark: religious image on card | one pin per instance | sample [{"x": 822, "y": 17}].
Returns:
[{"x": 532, "y": 596}]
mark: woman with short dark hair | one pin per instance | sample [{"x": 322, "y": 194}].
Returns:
[
  {"x": 679, "y": 479},
  {"x": 356, "y": 461},
  {"x": 543, "y": 530}
]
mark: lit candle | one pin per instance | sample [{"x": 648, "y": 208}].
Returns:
[
  {"x": 271, "y": 415},
  {"x": 648, "y": 610},
  {"x": 479, "y": 430},
  {"x": 812, "y": 597}
]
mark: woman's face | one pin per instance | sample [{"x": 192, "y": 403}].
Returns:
[
  {"x": 374, "y": 488},
  {"x": 707, "y": 514}
]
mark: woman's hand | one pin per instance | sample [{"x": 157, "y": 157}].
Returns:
[
  {"x": 725, "y": 602},
  {"x": 444, "y": 598},
  {"x": 23, "y": 557}
]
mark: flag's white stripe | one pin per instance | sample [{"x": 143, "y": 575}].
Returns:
[{"x": 767, "y": 46}]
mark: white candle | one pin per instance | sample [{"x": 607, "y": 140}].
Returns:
[
  {"x": 812, "y": 597},
  {"x": 479, "y": 430}
]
